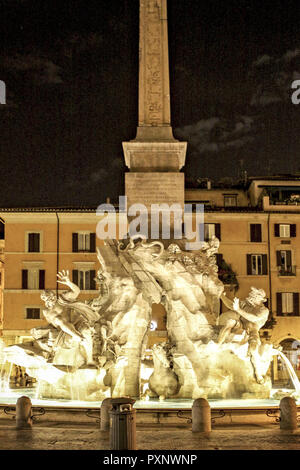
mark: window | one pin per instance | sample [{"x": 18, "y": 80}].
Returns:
[
  {"x": 84, "y": 279},
  {"x": 33, "y": 313},
  {"x": 33, "y": 242},
  {"x": 257, "y": 264},
  {"x": 33, "y": 278},
  {"x": 287, "y": 303},
  {"x": 84, "y": 242},
  {"x": 284, "y": 263},
  {"x": 255, "y": 233},
  {"x": 211, "y": 230},
  {"x": 230, "y": 200},
  {"x": 285, "y": 230}
]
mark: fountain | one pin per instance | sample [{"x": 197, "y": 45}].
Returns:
[{"x": 97, "y": 349}]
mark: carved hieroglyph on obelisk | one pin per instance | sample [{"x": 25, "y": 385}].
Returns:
[{"x": 154, "y": 157}]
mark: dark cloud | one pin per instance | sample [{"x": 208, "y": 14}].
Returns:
[
  {"x": 72, "y": 69},
  {"x": 216, "y": 134},
  {"x": 273, "y": 76},
  {"x": 40, "y": 70}
]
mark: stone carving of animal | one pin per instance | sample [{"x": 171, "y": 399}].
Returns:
[{"x": 163, "y": 381}]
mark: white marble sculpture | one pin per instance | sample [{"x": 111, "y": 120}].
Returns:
[{"x": 95, "y": 349}]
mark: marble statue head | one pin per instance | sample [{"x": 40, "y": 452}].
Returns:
[
  {"x": 256, "y": 296},
  {"x": 49, "y": 297}
]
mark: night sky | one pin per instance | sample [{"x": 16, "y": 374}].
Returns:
[{"x": 71, "y": 71}]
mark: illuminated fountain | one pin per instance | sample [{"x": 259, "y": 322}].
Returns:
[{"x": 96, "y": 349}]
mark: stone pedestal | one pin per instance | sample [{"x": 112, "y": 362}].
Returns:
[
  {"x": 154, "y": 188},
  {"x": 155, "y": 156},
  {"x": 201, "y": 416},
  {"x": 288, "y": 414}
]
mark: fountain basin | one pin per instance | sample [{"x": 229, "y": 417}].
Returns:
[{"x": 153, "y": 411}]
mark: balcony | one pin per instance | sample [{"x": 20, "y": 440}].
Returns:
[
  {"x": 275, "y": 205},
  {"x": 287, "y": 271}
]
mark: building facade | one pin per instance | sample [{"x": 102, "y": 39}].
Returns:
[{"x": 259, "y": 231}]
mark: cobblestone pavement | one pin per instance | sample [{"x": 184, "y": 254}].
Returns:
[{"x": 155, "y": 437}]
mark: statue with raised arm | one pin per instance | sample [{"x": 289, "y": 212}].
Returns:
[
  {"x": 247, "y": 316},
  {"x": 75, "y": 319}
]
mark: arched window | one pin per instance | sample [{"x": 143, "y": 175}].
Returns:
[{"x": 291, "y": 349}]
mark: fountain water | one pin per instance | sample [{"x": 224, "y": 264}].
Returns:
[
  {"x": 10, "y": 396},
  {"x": 291, "y": 372}
]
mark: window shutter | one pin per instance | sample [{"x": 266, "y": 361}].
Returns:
[
  {"x": 252, "y": 233},
  {"x": 265, "y": 264},
  {"x": 31, "y": 242},
  {"x": 42, "y": 279},
  {"x": 249, "y": 271},
  {"x": 24, "y": 279},
  {"x": 75, "y": 242},
  {"x": 293, "y": 230},
  {"x": 296, "y": 303},
  {"x": 258, "y": 233},
  {"x": 92, "y": 242},
  {"x": 36, "y": 242},
  {"x": 278, "y": 258},
  {"x": 92, "y": 279},
  {"x": 279, "y": 303},
  {"x": 276, "y": 230},
  {"x": 289, "y": 259},
  {"x": 75, "y": 276},
  {"x": 2, "y": 230},
  {"x": 86, "y": 280},
  {"x": 218, "y": 231}
]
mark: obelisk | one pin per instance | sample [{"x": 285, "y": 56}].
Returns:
[{"x": 154, "y": 157}]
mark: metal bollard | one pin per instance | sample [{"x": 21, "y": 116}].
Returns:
[
  {"x": 23, "y": 413},
  {"x": 288, "y": 414},
  {"x": 104, "y": 414},
  {"x": 123, "y": 424},
  {"x": 201, "y": 416}
]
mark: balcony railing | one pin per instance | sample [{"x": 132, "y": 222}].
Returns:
[
  {"x": 275, "y": 205},
  {"x": 288, "y": 271},
  {"x": 276, "y": 202}
]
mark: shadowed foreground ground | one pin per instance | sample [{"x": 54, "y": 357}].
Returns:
[{"x": 152, "y": 437}]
